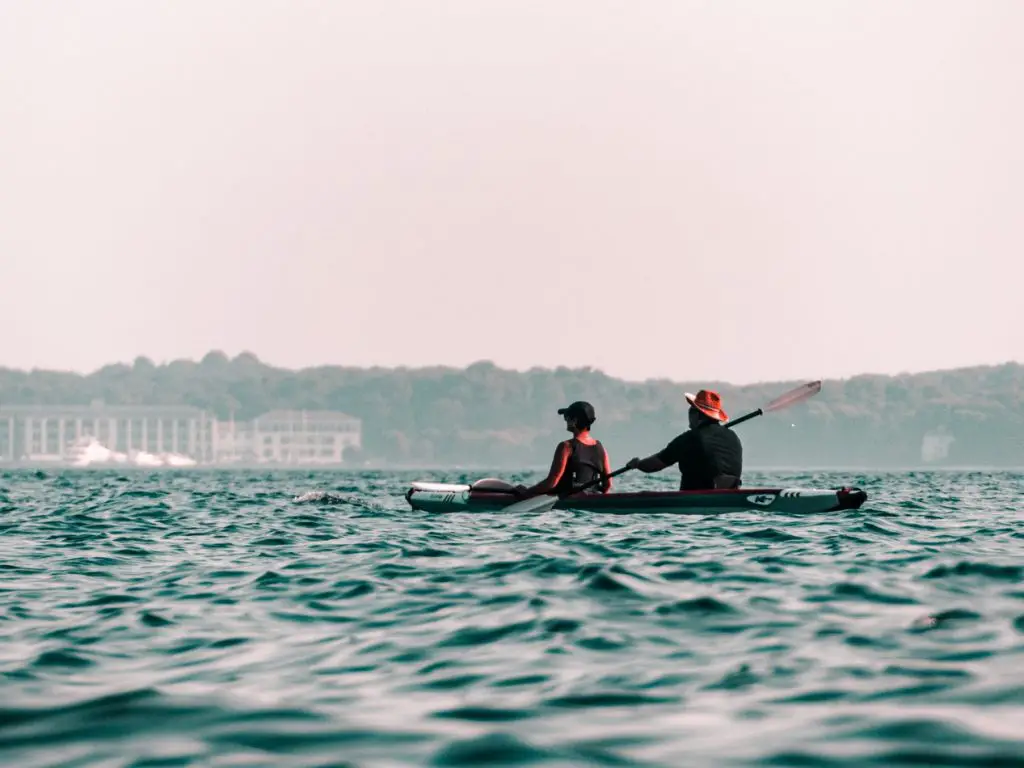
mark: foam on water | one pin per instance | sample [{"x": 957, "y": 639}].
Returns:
[
  {"x": 90, "y": 452},
  {"x": 310, "y": 619}
]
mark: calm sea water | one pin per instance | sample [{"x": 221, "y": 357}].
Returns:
[{"x": 207, "y": 619}]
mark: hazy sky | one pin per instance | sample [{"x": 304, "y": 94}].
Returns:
[{"x": 738, "y": 190}]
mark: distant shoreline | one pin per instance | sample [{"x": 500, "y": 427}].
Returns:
[{"x": 487, "y": 416}]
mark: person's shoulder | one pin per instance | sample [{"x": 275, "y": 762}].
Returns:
[
  {"x": 733, "y": 434},
  {"x": 728, "y": 436},
  {"x": 682, "y": 440}
]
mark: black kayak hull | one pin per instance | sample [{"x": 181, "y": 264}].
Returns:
[{"x": 493, "y": 496}]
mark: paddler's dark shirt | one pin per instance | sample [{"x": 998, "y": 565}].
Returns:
[{"x": 703, "y": 454}]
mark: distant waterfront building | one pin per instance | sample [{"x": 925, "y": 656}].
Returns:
[
  {"x": 55, "y": 434},
  {"x": 288, "y": 437},
  {"x": 45, "y": 433},
  {"x": 935, "y": 445}
]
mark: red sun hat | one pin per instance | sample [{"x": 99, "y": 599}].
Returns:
[{"x": 708, "y": 403}]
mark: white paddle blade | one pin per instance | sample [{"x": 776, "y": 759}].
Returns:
[
  {"x": 535, "y": 504},
  {"x": 794, "y": 396}
]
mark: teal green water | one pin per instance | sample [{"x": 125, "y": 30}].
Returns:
[{"x": 208, "y": 619}]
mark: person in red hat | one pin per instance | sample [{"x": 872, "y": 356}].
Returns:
[
  {"x": 709, "y": 455},
  {"x": 578, "y": 460}
]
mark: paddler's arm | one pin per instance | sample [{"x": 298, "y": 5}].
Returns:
[
  {"x": 652, "y": 463},
  {"x": 554, "y": 474},
  {"x": 606, "y": 480},
  {"x": 666, "y": 457}
]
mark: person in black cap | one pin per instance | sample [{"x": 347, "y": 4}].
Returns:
[{"x": 577, "y": 461}]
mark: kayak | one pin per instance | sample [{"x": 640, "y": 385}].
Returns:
[{"x": 492, "y": 495}]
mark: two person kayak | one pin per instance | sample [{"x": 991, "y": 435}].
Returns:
[
  {"x": 493, "y": 495},
  {"x": 709, "y": 456}
]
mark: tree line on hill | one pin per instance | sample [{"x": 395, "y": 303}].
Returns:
[{"x": 484, "y": 415}]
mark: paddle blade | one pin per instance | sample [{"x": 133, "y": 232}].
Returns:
[
  {"x": 794, "y": 396},
  {"x": 535, "y": 504}
]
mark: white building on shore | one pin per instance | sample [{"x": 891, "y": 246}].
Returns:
[
  {"x": 288, "y": 437},
  {"x": 169, "y": 435}
]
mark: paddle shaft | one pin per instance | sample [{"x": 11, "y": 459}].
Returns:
[
  {"x": 600, "y": 480},
  {"x": 746, "y": 417}
]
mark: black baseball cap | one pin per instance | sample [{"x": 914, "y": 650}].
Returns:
[{"x": 581, "y": 410}]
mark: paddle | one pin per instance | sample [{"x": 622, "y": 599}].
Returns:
[
  {"x": 794, "y": 396},
  {"x": 797, "y": 395}
]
